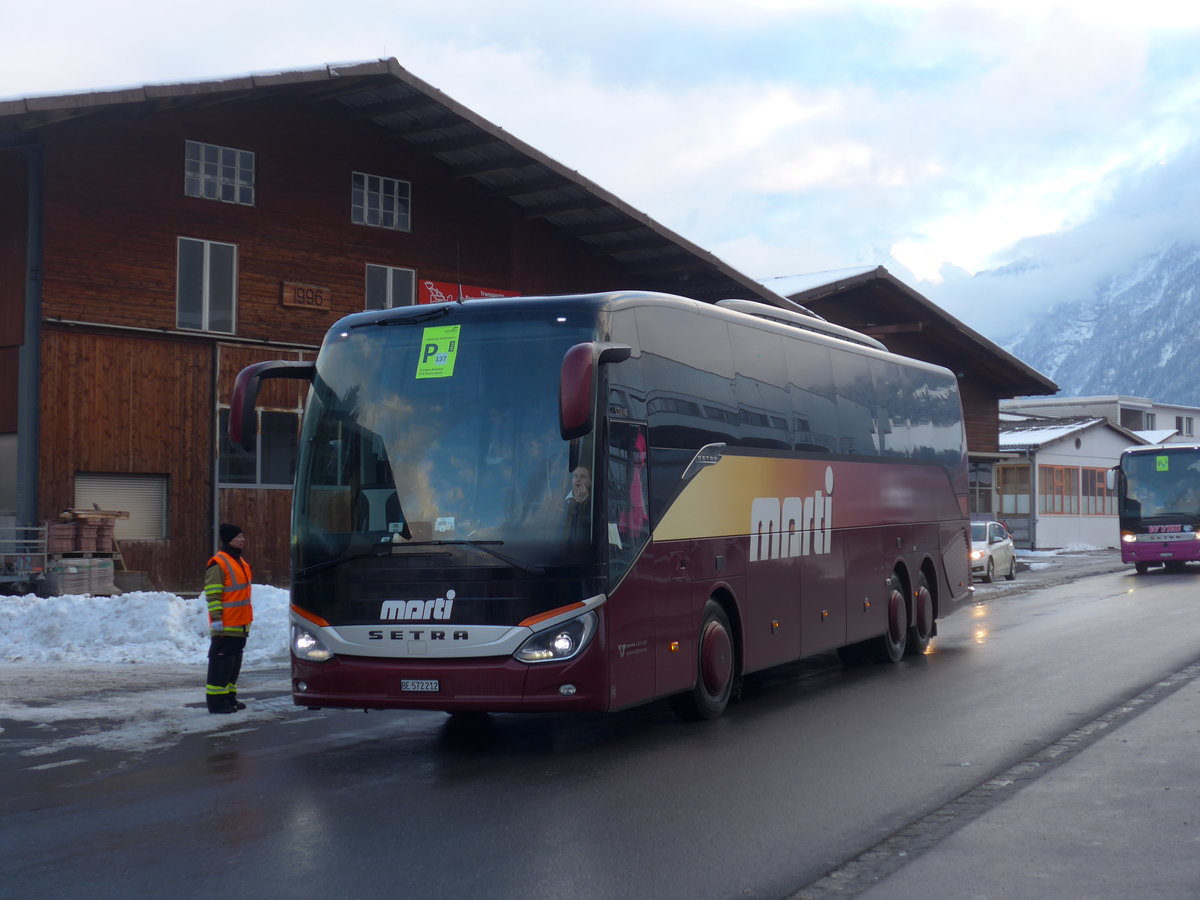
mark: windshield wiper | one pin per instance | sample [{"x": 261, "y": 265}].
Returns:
[
  {"x": 485, "y": 546},
  {"x": 436, "y": 313}
]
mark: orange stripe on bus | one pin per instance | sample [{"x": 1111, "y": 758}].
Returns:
[
  {"x": 316, "y": 620},
  {"x": 542, "y": 617}
]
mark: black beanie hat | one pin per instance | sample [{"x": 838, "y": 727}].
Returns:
[{"x": 228, "y": 532}]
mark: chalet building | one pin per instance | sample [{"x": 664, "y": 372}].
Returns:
[
  {"x": 156, "y": 240},
  {"x": 153, "y": 241},
  {"x": 873, "y": 301}
]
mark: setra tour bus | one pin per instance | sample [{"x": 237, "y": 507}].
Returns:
[
  {"x": 590, "y": 502},
  {"x": 1158, "y": 505}
]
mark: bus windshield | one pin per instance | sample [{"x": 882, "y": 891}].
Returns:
[
  {"x": 1162, "y": 485},
  {"x": 418, "y": 433}
]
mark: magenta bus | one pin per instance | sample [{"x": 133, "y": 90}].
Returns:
[
  {"x": 591, "y": 502},
  {"x": 1158, "y": 506}
]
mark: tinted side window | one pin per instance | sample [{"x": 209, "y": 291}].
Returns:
[
  {"x": 764, "y": 408},
  {"x": 891, "y": 400},
  {"x": 688, "y": 371},
  {"x": 856, "y": 408},
  {"x": 814, "y": 404}
]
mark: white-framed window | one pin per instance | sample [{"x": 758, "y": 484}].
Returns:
[
  {"x": 1150, "y": 421},
  {"x": 1184, "y": 425},
  {"x": 381, "y": 202},
  {"x": 388, "y": 286},
  {"x": 144, "y": 497},
  {"x": 218, "y": 173},
  {"x": 273, "y": 461},
  {"x": 206, "y": 285}
]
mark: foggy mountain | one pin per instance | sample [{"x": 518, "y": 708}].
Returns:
[{"x": 1137, "y": 333}]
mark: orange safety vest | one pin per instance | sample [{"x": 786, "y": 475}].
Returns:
[{"x": 236, "y": 608}]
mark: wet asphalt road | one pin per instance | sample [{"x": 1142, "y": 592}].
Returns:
[{"x": 816, "y": 764}]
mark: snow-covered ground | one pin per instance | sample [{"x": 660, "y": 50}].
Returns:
[{"x": 126, "y": 672}]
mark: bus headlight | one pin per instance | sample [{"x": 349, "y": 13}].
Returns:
[
  {"x": 1128, "y": 537},
  {"x": 559, "y": 643},
  {"x": 308, "y": 646}
]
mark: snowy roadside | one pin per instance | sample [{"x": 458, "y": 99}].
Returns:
[{"x": 125, "y": 672}]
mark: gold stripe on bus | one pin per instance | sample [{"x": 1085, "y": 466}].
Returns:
[{"x": 718, "y": 500}]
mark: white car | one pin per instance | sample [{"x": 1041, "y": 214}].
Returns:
[{"x": 992, "y": 551}]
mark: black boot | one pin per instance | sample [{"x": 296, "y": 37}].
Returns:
[{"x": 220, "y": 704}]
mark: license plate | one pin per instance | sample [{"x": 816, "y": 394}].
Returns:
[{"x": 412, "y": 684}]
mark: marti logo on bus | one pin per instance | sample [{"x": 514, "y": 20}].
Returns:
[
  {"x": 808, "y": 521},
  {"x": 438, "y": 610}
]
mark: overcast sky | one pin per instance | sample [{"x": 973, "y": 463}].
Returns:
[{"x": 939, "y": 139}]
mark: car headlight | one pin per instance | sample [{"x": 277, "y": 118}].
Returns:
[
  {"x": 308, "y": 646},
  {"x": 977, "y": 554},
  {"x": 559, "y": 643}
]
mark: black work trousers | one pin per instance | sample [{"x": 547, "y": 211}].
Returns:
[{"x": 224, "y": 665}]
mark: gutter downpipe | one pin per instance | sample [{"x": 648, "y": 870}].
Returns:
[{"x": 29, "y": 356}]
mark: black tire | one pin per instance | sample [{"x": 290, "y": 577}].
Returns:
[
  {"x": 890, "y": 646},
  {"x": 989, "y": 574},
  {"x": 1012, "y": 570},
  {"x": 920, "y": 630},
  {"x": 1141, "y": 568},
  {"x": 715, "y": 669}
]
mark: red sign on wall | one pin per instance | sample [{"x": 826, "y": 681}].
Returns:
[{"x": 444, "y": 291}]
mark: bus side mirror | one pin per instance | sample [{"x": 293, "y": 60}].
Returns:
[
  {"x": 243, "y": 423},
  {"x": 1110, "y": 479},
  {"x": 576, "y": 385}
]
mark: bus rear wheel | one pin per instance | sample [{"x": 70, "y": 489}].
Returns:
[
  {"x": 920, "y": 632},
  {"x": 714, "y": 669}
]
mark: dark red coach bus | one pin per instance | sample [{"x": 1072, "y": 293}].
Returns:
[{"x": 590, "y": 502}]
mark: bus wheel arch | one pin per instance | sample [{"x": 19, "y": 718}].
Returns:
[{"x": 717, "y": 660}]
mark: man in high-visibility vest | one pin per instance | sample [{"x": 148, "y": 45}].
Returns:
[{"x": 227, "y": 590}]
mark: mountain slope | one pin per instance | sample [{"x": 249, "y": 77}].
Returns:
[{"x": 1138, "y": 334}]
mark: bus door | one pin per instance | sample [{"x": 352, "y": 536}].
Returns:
[{"x": 632, "y": 608}]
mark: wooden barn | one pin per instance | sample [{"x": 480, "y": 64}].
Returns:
[{"x": 155, "y": 240}]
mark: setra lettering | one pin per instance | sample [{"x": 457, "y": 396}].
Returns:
[{"x": 416, "y": 634}]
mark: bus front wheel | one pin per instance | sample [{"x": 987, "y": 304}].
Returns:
[{"x": 714, "y": 669}]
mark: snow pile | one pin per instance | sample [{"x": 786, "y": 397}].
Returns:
[{"x": 150, "y": 627}]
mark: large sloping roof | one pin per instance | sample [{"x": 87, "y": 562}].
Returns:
[
  {"x": 873, "y": 301},
  {"x": 425, "y": 121}
]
